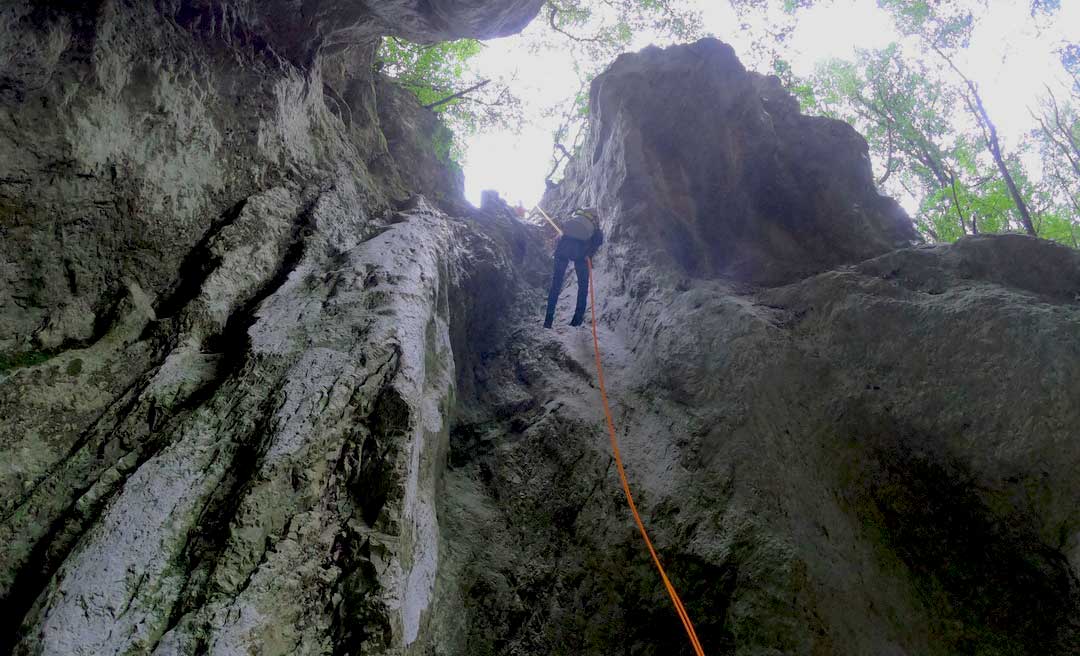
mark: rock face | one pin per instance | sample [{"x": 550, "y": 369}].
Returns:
[
  {"x": 270, "y": 386},
  {"x": 714, "y": 172},
  {"x": 226, "y": 323},
  {"x": 301, "y": 30},
  {"x": 843, "y": 443}
]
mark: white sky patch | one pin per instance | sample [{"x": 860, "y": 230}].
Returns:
[
  {"x": 834, "y": 30},
  {"x": 1010, "y": 58},
  {"x": 513, "y": 164},
  {"x": 516, "y": 164},
  {"x": 719, "y": 18},
  {"x": 1013, "y": 63}
]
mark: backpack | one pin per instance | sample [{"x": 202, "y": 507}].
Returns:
[{"x": 580, "y": 226}]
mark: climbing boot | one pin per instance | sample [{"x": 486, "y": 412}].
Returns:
[
  {"x": 547, "y": 321},
  {"x": 577, "y": 320}
]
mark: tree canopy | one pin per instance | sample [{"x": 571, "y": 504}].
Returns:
[
  {"x": 933, "y": 136},
  {"x": 932, "y": 130},
  {"x": 442, "y": 79}
]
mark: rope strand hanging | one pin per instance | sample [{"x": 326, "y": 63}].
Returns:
[{"x": 679, "y": 608}]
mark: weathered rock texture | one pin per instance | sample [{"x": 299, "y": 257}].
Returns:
[
  {"x": 270, "y": 386},
  {"x": 226, "y": 322},
  {"x": 716, "y": 173},
  {"x": 841, "y": 447}
]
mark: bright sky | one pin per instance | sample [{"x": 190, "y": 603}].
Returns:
[{"x": 1009, "y": 57}]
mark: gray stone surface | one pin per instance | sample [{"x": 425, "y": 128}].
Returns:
[
  {"x": 713, "y": 171},
  {"x": 270, "y": 386},
  {"x": 226, "y": 370},
  {"x": 840, "y": 447},
  {"x": 876, "y": 459}
]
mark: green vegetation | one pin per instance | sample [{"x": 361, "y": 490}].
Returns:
[
  {"x": 932, "y": 133},
  {"x": 21, "y": 360},
  {"x": 429, "y": 71},
  {"x": 930, "y": 128},
  {"x": 441, "y": 77}
]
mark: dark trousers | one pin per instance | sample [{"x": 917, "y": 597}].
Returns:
[{"x": 567, "y": 250}]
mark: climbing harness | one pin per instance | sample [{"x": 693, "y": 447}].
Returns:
[{"x": 679, "y": 608}]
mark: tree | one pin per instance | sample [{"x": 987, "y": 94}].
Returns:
[
  {"x": 1070, "y": 60},
  {"x": 442, "y": 79},
  {"x": 595, "y": 32},
  {"x": 903, "y": 113},
  {"x": 945, "y": 28},
  {"x": 1057, "y": 139},
  {"x": 954, "y": 164},
  {"x": 973, "y": 100},
  {"x": 1059, "y": 126}
]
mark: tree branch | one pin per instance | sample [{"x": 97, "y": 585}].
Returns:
[
  {"x": 956, "y": 204},
  {"x": 457, "y": 95},
  {"x": 889, "y": 161},
  {"x": 975, "y": 104},
  {"x": 1060, "y": 124},
  {"x": 1050, "y": 136},
  {"x": 580, "y": 39},
  {"x": 563, "y": 156}
]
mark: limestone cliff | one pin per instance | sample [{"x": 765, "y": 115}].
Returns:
[
  {"x": 226, "y": 330},
  {"x": 270, "y": 386},
  {"x": 844, "y": 442}
]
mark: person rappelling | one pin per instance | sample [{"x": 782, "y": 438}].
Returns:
[{"x": 580, "y": 237}]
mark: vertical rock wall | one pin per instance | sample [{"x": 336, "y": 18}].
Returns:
[
  {"x": 843, "y": 442},
  {"x": 226, "y": 371},
  {"x": 270, "y": 386}
]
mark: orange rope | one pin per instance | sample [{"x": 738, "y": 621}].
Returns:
[{"x": 679, "y": 608}]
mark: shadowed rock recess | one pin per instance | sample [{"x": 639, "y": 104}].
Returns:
[{"x": 270, "y": 386}]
